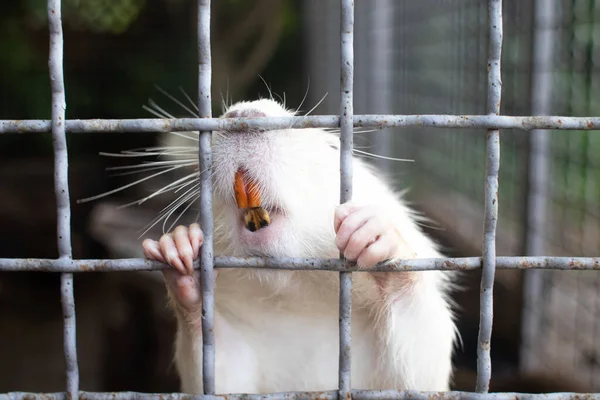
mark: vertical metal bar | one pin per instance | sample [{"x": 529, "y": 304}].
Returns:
[
  {"x": 538, "y": 171},
  {"x": 484, "y": 362},
  {"x": 346, "y": 144},
  {"x": 206, "y": 213},
  {"x": 61, "y": 187}
]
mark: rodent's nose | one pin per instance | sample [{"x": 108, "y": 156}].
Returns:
[{"x": 245, "y": 113}]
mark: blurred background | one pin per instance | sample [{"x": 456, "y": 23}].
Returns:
[{"x": 426, "y": 57}]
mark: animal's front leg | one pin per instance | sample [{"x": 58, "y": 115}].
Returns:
[
  {"x": 367, "y": 235},
  {"x": 410, "y": 306},
  {"x": 179, "y": 249},
  {"x": 364, "y": 234},
  {"x": 236, "y": 363}
]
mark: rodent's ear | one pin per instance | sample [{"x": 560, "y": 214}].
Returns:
[{"x": 246, "y": 113}]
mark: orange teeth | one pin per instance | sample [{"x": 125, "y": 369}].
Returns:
[
  {"x": 247, "y": 197},
  {"x": 239, "y": 188},
  {"x": 253, "y": 195},
  {"x": 246, "y": 191}
]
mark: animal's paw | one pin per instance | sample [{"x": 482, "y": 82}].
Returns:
[
  {"x": 364, "y": 234},
  {"x": 179, "y": 249}
]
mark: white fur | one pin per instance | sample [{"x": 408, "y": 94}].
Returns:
[{"x": 278, "y": 330}]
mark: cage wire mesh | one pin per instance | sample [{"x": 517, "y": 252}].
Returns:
[
  {"x": 567, "y": 309},
  {"x": 429, "y": 57},
  {"x": 427, "y": 63}
]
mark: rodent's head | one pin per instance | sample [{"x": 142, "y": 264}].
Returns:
[{"x": 297, "y": 174}]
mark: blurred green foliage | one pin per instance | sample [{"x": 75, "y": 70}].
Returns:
[{"x": 115, "y": 53}]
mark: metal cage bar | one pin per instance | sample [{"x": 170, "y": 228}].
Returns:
[
  {"x": 326, "y": 395},
  {"x": 206, "y": 215},
  {"x": 61, "y": 187},
  {"x": 319, "y": 121},
  {"x": 484, "y": 362},
  {"x": 346, "y": 145},
  {"x": 65, "y": 264},
  {"x": 315, "y": 264}
]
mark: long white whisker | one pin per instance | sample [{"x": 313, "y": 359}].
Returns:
[
  {"x": 189, "y": 99},
  {"x": 181, "y": 134},
  {"x": 144, "y": 199},
  {"x": 152, "y": 223},
  {"x": 192, "y": 200},
  {"x": 282, "y": 100},
  {"x": 381, "y": 157},
  {"x": 128, "y": 185},
  {"x": 154, "y": 112},
  {"x": 152, "y": 152},
  {"x": 179, "y": 198},
  {"x": 176, "y": 101},
  {"x": 178, "y": 203},
  {"x": 163, "y": 213},
  {"x": 227, "y": 94},
  {"x": 183, "y": 185},
  {"x": 165, "y": 115},
  {"x": 150, "y": 164},
  {"x": 223, "y": 104},
  {"x": 139, "y": 171},
  {"x": 193, "y": 179},
  {"x": 156, "y": 107},
  {"x": 189, "y": 148},
  {"x": 171, "y": 186},
  {"x": 268, "y": 88},
  {"x": 125, "y": 154},
  {"x": 318, "y": 104},
  {"x": 305, "y": 95}
]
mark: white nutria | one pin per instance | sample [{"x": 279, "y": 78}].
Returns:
[{"x": 277, "y": 331}]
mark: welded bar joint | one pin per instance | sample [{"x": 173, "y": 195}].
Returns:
[
  {"x": 206, "y": 212},
  {"x": 61, "y": 187},
  {"x": 346, "y": 145},
  {"x": 484, "y": 362}
]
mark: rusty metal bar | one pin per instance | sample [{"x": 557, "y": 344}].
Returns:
[
  {"x": 206, "y": 212},
  {"x": 346, "y": 146},
  {"x": 484, "y": 362},
  {"x": 316, "y": 264},
  {"x": 327, "y": 395},
  {"x": 378, "y": 121},
  {"x": 61, "y": 187}
]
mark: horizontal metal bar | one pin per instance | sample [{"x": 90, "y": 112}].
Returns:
[
  {"x": 315, "y": 121},
  {"x": 409, "y": 395},
  {"x": 325, "y": 395},
  {"x": 422, "y": 264}
]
